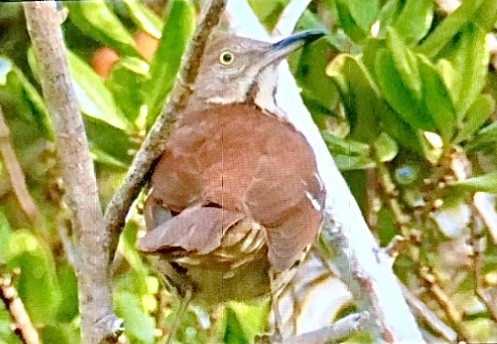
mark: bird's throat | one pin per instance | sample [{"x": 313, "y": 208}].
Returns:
[{"x": 263, "y": 92}]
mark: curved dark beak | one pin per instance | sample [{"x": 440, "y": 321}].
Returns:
[{"x": 281, "y": 49}]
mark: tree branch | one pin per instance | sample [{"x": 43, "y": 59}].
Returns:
[
  {"x": 372, "y": 280},
  {"x": 23, "y": 325},
  {"x": 16, "y": 176},
  {"x": 428, "y": 317},
  {"x": 95, "y": 298},
  {"x": 340, "y": 330},
  {"x": 290, "y": 16},
  {"x": 153, "y": 146}
]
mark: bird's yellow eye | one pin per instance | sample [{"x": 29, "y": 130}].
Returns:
[{"x": 226, "y": 58}]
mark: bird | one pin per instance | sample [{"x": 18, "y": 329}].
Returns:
[{"x": 235, "y": 199}]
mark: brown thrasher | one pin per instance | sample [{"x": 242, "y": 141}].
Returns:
[{"x": 235, "y": 199}]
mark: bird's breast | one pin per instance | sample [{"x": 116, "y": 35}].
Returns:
[{"x": 216, "y": 155}]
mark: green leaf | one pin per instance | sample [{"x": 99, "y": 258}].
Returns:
[
  {"x": 94, "y": 97},
  {"x": 478, "y": 113},
  {"x": 28, "y": 102},
  {"x": 127, "y": 248},
  {"x": 5, "y": 233},
  {"x": 126, "y": 82},
  {"x": 363, "y": 12},
  {"x": 109, "y": 145},
  {"x": 176, "y": 35},
  {"x": 469, "y": 59},
  {"x": 448, "y": 74},
  {"x": 353, "y": 155},
  {"x": 360, "y": 96},
  {"x": 139, "y": 325},
  {"x": 398, "y": 95},
  {"x": 129, "y": 292},
  {"x": 348, "y": 163},
  {"x": 486, "y": 16},
  {"x": 437, "y": 100},
  {"x": 482, "y": 13},
  {"x": 96, "y": 19},
  {"x": 233, "y": 333},
  {"x": 414, "y": 20},
  {"x": 405, "y": 63},
  {"x": 101, "y": 156},
  {"x": 144, "y": 18},
  {"x": 338, "y": 39},
  {"x": 40, "y": 113},
  {"x": 484, "y": 183},
  {"x": 319, "y": 97},
  {"x": 404, "y": 134},
  {"x": 244, "y": 321},
  {"x": 337, "y": 146},
  {"x": 59, "y": 333},
  {"x": 387, "y": 16},
  {"x": 348, "y": 23},
  {"x": 37, "y": 285},
  {"x": 485, "y": 137},
  {"x": 386, "y": 148},
  {"x": 68, "y": 308},
  {"x": 95, "y": 100}
]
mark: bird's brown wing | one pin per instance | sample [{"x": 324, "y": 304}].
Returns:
[
  {"x": 197, "y": 230},
  {"x": 288, "y": 203}
]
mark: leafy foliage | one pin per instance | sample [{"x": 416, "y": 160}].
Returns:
[{"x": 397, "y": 87}]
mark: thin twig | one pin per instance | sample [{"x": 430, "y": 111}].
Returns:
[
  {"x": 23, "y": 325},
  {"x": 16, "y": 176},
  {"x": 290, "y": 16},
  {"x": 477, "y": 264},
  {"x": 428, "y": 317},
  {"x": 454, "y": 317},
  {"x": 424, "y": 272},
  {"x": 460, "y": 166},
  {"x": 98, "y": 321},
  {"x": 485, "y": 204},
  {"x": 340, "y": 330},
  {"x": 117, "y": 209}
]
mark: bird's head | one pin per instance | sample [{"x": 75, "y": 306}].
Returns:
[{"x": 234, "y": 68}]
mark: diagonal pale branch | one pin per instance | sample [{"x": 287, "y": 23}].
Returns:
[
  {"x": 16, "y": 176},
  {"x": 289, "y": 17},
  {"x": 372, "y": 280},
  {"x": 338, "y": 331},
  {"x": 115, "y": 215},
  {"x": 95, "y": 297},
  {"x": 20, "y": 317}
]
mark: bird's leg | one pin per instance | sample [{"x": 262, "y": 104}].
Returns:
[
  {"x": 185, "y": 301},
  {"x": 276, "y": 337},
  {"x": 216, "y": 312}
]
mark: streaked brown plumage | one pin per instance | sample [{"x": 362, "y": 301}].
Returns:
[{"x": 240, "y": 181}]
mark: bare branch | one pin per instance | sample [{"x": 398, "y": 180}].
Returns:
[
  {"x": 485, "y": 204},
  {"x": 372, "y": 278},
  {"x": 340, "y": 330},
  {"x": 290, "y": 16},
  {"x": 431, "y": 280},
  {"x": 115, "y": 215},
  {"x": 423, "y": 312},
  {"x": 23, "y": 325},
  {"x": 95, "y": 298},
  {"x": 480, "y": 208},
  {"x": 16, "y": 176}
]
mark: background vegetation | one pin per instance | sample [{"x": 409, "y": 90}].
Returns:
[{"x": 404, "y": 92}]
